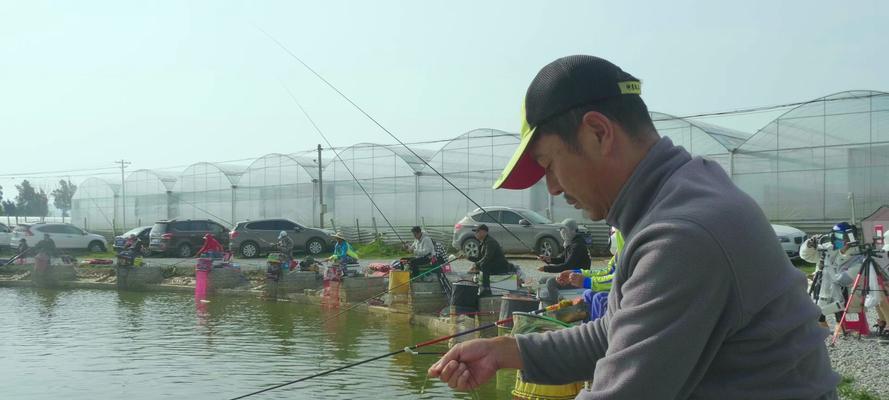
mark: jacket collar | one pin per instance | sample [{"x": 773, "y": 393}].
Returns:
[{"x": 638, "y": 193}]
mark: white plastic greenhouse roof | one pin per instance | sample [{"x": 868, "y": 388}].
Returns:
[
  {"x": 166, "y": 178},
  {"x": 802, "y": 111},
  {"x": 480, "y": 132},
  {"x": 416, "y": 163},
  {"x": 232, "y": 172},
  {"x": 729, "y": 139},
  {"x": 94, "y": 181}
]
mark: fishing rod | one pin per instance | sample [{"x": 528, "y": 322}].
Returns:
[
  {"x": 400, "y": 142},
  {"x": 337, "y": 154},
  {"x": 356, "y": 305},
  {"x": 409, "y": 349}
]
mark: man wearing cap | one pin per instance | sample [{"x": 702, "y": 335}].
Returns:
[
  {"x": 696, "y": 310},
  {"x": 490, "y": 259}
]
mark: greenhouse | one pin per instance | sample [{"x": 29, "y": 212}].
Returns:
[
  {"x": 206, "y": 191},
  {"x": 147, "y": 193},
  {"x": 802, "y": 168},
  {"x": 804, "y": 165},
  {"x": 95, "y": 205},
  {"x": 277, "y": 185}
]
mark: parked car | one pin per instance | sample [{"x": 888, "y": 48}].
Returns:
[
  {"x": 253, "y": 238},
  {"x": 5, "y": 236},
  {"x": 140, "y": 232},
  {"x": 791, "y": 239},
  {"x": 182, "y": 238},
  {"x": 65, "y": 236},
  {"x": 532, "y": 228}
]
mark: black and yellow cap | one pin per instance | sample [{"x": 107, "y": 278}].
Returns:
[{"x": 560, "y": 86}]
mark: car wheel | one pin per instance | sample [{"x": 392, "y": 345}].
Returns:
[
  {"x": 548, "y": 247},
  {"x": 314, "y": 246},
  {"x": 96, "y": 247},
  {"x": 249, "y": 250},
  {"x": 184, "y": 250},
  {"x": 470, "y": 247}
]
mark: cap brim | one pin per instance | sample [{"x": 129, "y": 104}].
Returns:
[{"x": 522, "y": 171}]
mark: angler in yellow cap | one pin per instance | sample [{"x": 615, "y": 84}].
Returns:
[{"x": 695, "y": 310}]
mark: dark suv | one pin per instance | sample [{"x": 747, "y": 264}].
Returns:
[
  {"x": 252, "y": 238},
  {"x": 182, "y": 238}
]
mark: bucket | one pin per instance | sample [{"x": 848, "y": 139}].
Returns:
[
  {"x": 204, "y": 264},
  {"x": 465, "y": 297},
  {"x": 528, "y": 323},
  {"x": 398, "y": 282}
]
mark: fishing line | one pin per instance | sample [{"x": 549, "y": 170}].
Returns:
[
  {"x": 202, "y": 210},
  {"x": 408, "y": 349},
  {"x": 317, "y": 129},
  {"x": 361, "y": 110}
]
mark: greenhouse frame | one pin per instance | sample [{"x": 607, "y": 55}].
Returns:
[{"x": 801, "y": 168}]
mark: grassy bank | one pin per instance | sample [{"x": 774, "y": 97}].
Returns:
[{"x": 848, "y": 391}]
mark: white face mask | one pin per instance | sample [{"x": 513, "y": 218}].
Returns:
[
  {"x": 564, "y": 234},
  {"x": 613, "y": 248}
]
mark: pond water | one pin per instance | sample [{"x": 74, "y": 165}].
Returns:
[{"x": 95, "y": 344}]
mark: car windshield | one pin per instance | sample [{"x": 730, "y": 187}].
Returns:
[
  {"x": 134, "y": 231},
  {"x": 534, "y": 217},
  {"x": 158, "y": 229}
]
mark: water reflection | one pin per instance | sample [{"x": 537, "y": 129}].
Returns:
[{"x": 105, "y": 345}]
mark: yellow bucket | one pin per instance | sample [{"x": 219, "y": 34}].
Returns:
[
  {"x": 398, "y": 282},
  {"x": 530, "y": 391},
  {"x": 528, "y": 323}
]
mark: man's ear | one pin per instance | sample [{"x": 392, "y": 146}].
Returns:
[{"x": 596, "y": 126}]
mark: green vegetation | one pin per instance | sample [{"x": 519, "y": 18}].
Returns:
[
  {"x": 379, "y": 249},
  {"x": 847, "y": 391}
]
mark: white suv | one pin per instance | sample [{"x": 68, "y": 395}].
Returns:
[{"x": 66, "y": 236}]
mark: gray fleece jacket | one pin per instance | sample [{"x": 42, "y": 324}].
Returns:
[{"x": 705, "y": 304}]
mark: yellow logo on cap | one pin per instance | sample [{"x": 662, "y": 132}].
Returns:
[{"x": 630, "y": 87}]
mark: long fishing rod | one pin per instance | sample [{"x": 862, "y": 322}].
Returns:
[
  {"x": 337, "y": 154},
  {"x": 356, "y": 305},
  {"x": 400, "y": 142},
  {"x": 408, "y": 349}
]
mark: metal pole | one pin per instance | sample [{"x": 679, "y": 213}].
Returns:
[
  {"x": 234, "y": 206},
  {"x": 123, "y": 189},
  {"x": 320, "y": 187},
  {"x": 417, "y": 197}
]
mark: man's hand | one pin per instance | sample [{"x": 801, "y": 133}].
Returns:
[
  {"x": 546, "y": 259},
  {"x": 470, "y": 364},
  {"x": 563, "y": 278},
  {"x": 541, "y": 268},
  {"x": 811, "y": 243},
  {"x": 576, "y": 279},
  {"x": 474, "y": 269}
]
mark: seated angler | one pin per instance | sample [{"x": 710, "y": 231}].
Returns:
[
  {"x": 490, "y": 259},
  {"x": 574, "y": 257}
]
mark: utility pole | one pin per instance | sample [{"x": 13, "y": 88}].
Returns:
[
  {"x": 321, "y": 187},
  {"x": 123, "y": 191}
]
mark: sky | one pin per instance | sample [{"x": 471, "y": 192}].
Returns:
[{"x": 169, "y": 83}]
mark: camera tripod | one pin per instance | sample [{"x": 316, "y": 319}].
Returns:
[{"x": 862, "y": 285}]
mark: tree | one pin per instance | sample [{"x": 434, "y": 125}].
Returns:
[
  {"x": 30, "y": 202},
  {"x": 62, "y": 197},
  {"x": 10, "y": 211},
  {"x": 41, "y": 205}
]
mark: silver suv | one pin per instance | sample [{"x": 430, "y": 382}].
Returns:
[
  {"x": 252, "y": 238},
  {"x": 533, "y": 229}
]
